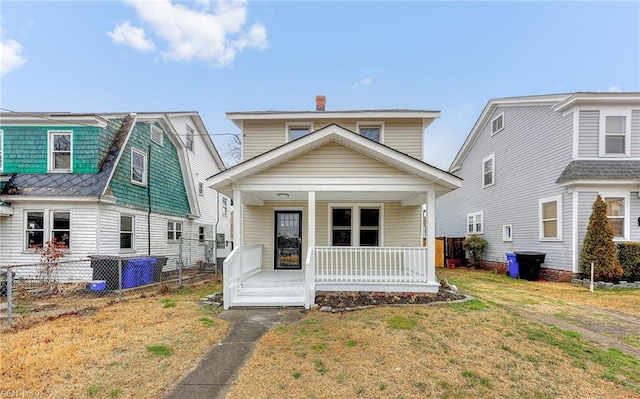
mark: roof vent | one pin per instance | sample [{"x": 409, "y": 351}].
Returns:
[{"x": 321, "y": 101}]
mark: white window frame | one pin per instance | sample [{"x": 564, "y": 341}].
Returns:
[
  {"x": 189, "y": 138},
  {"x": 559, "y": 222},
  {"x": 157, "y": 134},
  {"x": 507, "y": 232},
  {"x": 491, "y": 158},
  {"x": 144, "y": 168},
  {"x": 290, "y": 125},
  {"x": 365, "y": 124},
  {"x": 202, "y": 233},
  {"x": 132, "y": 232},
  {"x": 173, "y": 232},
  {"x": 627, "y": 210},
  {"x": 1, "y": 150},
  {"x": 355, "y": 221},
  {"x": 201, "y": 189},
  {"x": 51, "y": 151},
  {"x": 47, "y": 226},
  {"x": 474, "y": 217},
  {"x": 614, "y": 111},
  {"x": 225, "y": 207},
  {"x": 501, "y": 128}
]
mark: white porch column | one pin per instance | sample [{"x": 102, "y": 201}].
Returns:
[
  {"x": 431, "y": 236},
  {"x": 238, "y": 219},
  {"x": 311, "y": 219}
]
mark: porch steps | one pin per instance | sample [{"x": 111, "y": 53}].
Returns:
[{"x": 270, "y": 293}]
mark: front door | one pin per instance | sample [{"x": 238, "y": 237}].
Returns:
[{"x": 288, "y": 240}]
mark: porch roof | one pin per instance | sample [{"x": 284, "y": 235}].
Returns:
[{"x": 430, "y": 175}]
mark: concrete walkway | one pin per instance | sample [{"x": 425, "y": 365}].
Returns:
[{"x": 214, "y": 375}]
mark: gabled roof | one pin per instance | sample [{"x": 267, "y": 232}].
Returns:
[
  {"x": 561, "y": 103},
  {"x": 426, "y": 116},
  {"x": 600, "y": 170},
  {"x": 338, "y": 134}
]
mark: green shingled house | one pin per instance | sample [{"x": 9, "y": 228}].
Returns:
[{"x": 107, "y": 184}]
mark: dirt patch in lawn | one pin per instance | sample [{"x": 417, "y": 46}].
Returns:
[{"x": 138, "y": 348}]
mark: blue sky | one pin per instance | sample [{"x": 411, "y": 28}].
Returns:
[{"x": 214, "y": 58}]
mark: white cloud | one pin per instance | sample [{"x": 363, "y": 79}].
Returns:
[
  {"x": 363, "y": 82},
  {"x": 614, "y": 89},
  {"x": 215, "y": 37},
  {"x": 11, "y": 56},
  {"x": 131, "y": 36}
]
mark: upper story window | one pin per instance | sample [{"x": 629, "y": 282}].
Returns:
[
  {"x": 201, "y": 189},
  {"x": 127, "y": 229},
  {"x": 174, "y": 230},
  {"x": 157, "y": 135},
  {"x": 189, "y": 138},
  {"x": 1, "y": 149},
  {"x": 297, "y": 130},
  {"x": 618, "y": 214},
  {"x": 615, "y": 129},
  {"x": 60, "y": 151},
  {"x": 475, "y": 223},
  {"x": 371, "y": 130},
  {"x": 224, "y": 207},
  {"x": 488, "y": 170},
  {"x": 497, "y": 124},
  {"x": 550, "y": 218},
  {"x": 138, "y": 167}
]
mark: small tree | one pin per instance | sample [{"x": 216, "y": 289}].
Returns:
[
  {"x": 476, "y": 245},
  {"x": 598, "y": 246},
  {"x": 50, "y": 253}
]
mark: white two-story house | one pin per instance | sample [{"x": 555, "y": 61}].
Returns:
[
  {"x": 330, "y": 201},
  {"x": 532, "y": 168}
]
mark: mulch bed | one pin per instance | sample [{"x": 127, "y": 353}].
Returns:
[{"x": 351, "y": 300}]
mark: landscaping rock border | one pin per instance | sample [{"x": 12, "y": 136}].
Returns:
[{"x": 608, "y": 286}]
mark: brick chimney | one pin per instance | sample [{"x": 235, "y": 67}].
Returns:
[{"x": 321, "y": 101}]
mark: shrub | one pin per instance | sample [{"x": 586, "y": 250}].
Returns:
[
  {"x": 598, "y": 246},
  {"x": 476, "y": 245},
  {"x": 629, "y": 257}
]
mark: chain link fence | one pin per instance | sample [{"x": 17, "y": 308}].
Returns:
[{"x": 47, "y": 290}]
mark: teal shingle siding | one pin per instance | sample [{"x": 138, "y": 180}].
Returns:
[
  {"x": 165, "y": 180},
  {"x": 26, "y": 148}
]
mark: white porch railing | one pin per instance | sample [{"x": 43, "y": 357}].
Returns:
[
  {"x": 371, "y": 265},
  {"x": 243, "y": 262}
]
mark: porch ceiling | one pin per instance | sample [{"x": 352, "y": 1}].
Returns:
[{"x": 406, "y": 198}]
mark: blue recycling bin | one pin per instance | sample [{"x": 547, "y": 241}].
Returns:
[
  {"x": 514, "y": 268},
  {"x": 138, "y": 272},
  {"x": 146, "y": 276}
]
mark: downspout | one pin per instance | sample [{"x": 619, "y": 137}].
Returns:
[
  {"x": 149, "y": 202},
  {"x": 215, "y": 230}
]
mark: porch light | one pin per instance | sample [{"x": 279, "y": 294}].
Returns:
[{"x": 283, "y": 195}]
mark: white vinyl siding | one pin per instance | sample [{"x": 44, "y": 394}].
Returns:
[
  {"x": 550, "y": 217},
  {"x": 189, "y": 138},
  {"x": 588, "y": 134},
  {"x": 60, "y": 151},
  {"x": 1, "y": 149},
  {"x": 634, "y": 145}
]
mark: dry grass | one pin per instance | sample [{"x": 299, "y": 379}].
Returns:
[
  {"x": 475, "y": 349},
  {"x": 135, "y": 349}
]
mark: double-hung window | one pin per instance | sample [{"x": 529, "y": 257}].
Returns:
[
  {"x": 475, "y": 223},
  {"x": 550, "y": 218},
  {"x": 174, "y": 230},
  {"x": 615, "y": 126},
  {"x": 45, "y": 225},
  {"x": 618, "y": 209},
  {"x": 369, "y": 227},
  {"x": 189, "y": 138},
  {"x": 60, "y": 144},
  {"x": 356, "y": 225},
  {"x": 489, "y": 171},
  {"x": 138, "y": 167},
  {"x": 371, "y": 130},
  {"x": 297, "y": 130},
  {"x": 341, "y": 227},
  {"x": 127, "y": 231}
]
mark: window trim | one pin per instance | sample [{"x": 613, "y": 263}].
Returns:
[
  {"x": 475, "y": 229},
  {"x": 225, "y": 207},
  {"x": 499, "y": 116},
  {"x": 132, "y": 232},
  {"x": 174, "y": 230},
  {"x": 507, "y": 232},
  {"x": 51, "y": 220},
  {"x": 189, "y": 138},
  {"x": 144, "y": 168},
  {"x": 201, "y": 189},
  {"x": 50, "y": 152},
  {"x": 614, "y": 111},
  {"x": 491, "y": 158},
  {"x": 355, "y": 220},
  {"x": 153, "y": 129},
  {"x": 290, "y": 125},
  {"x": 47, "y": 226},
  {"x": 25, "y": 228},
  {"x": 559, "y": 221},
  {"x": 1, "y": 150},
  {"x": 380, "y": 124},
  {"x": 627, "y": 211}
]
